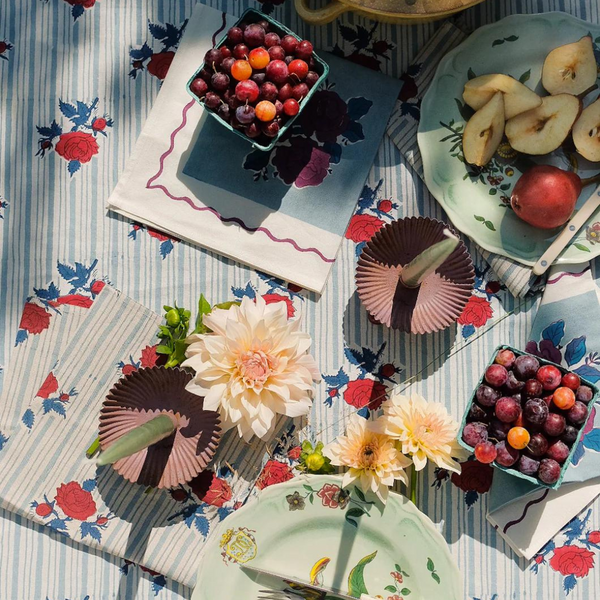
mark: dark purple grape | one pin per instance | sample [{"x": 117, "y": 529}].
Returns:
[
  {"x": 569, "y": 435},
  {"x": 536, "y": 412},
  {"x": 288, "y": 59},
  {"x": 271, "y": 129},
  {"x": 498, "y": 430},
  {"x": 507, "y": 409},
  {"x": 199, "y": 87},
  {"x": 224, "y": 112},
  {"x": 264, "y": 24},
  {"x": 254, "y": 35},
  {"x": 272, "y": 40},
  {"x": 245, "y": 114},
  {"x": 226, "y": 64},
  {"x": 506, "y": 358},
  {"x": 538, "y": 445},
  {"x": 549, "y": 471},
  {"x": 577, "y": 414},
  {"x": 533, "y": 388},
  {"x": 507, "y": 456},
  {"x": 496, "y": 375},
  {"x": 205, "y": 74},
  {"x": 558, "y": 451},
  {"x": 526, "y": 367},
  {"x": 213, "y": 58},
  {"x": 212, "y": 100},
  {"x": 253, "y": 130},
  {"x": 235, "y": 35},
  {"x": 486, "y": 395},
  {"x": 311, "y": 79},
  {"x": 312, "y": 63},
  {"x": 528, "y": 466},
  {"x": 476, "y": 413},
  {"x": 513, "y": 384},
  {"x": 555, "y": 425},
  {"x": 259, "y": 77},
  {"x": 584, "y": 394},
  {"x": 268, "y": 91},
  {"x": 473, "y": 433},
  {"x": 219, "y": 82}
]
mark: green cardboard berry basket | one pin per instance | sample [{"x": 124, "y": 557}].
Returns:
[
  {"x": 510, "y": 470},
  {"x": 252, "y": 15}
]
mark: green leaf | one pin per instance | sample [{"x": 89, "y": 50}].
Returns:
[
  {"x": 306, "y": 446},
  {"x": 436, "y": 577},
  {"x": 497, "y": 43},
  {"x": 204, "y": 308},
  {"x": 360, "y": 494},
  {"x": 163, "y": 349},
  {"x": 490, "y": 226},
  {"x": 505, "y": 186},
  {"x": 226, "y": 305},
  {"x": 471, "y": 74},
  {"x": 390, "y": 588},
  {"x": 478, "y": 218},
  {"x": 405, "y": 591},
  {"x": 351, "y": 515},
  {"x": 430, "y": 565},
  {"x": 311, "y": 499},
  {"x": 465, "y": 111},
  {"x": 493, "y": 191},
  {"x": 581, "y": 247},
  {"x": 525, "y": 77},
  {"x": 397, "y": 567},
  {"x": 511, "y": 38},
  {"x": 307, "y": 488},
  {"x": 356, "y": 580}
]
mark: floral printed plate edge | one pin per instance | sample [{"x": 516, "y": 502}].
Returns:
[
  {"x": 477, "y": 201},
  {"x": 310, "y": 529}
]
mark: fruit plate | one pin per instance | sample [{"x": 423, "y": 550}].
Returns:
[
  {"x": 477, "y": 201},
  {"x": 510, "y": 470},
  {"x": 309, "y": 529},
  {"x": 252, "y": 15}
]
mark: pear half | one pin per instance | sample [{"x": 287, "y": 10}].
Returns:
[
  {"x": 543, "y": 129},
  {"x": 570, "y": 69},
  {"x": 483, "y": 133},
  {"x": 518, "y": 98},
  {"x": 586, "y": 132}
]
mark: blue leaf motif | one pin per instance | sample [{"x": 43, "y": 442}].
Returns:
[
  {"x": 569, "y": 583},
  {"x": 58, "y": 525},
  {"x": 470, "y": 498},
  {"x": 358, "y": 108},
  {"x": 28, "y": 418},
  {"x": 202, "y": 525},
  {"x": 592, "y": 440},
  {"x": 575, "y": 350},
  {"x": 73, "y": 167},
  {"x": 588, "y": 372},
  {"x": 165, "y": 248},
  {"x": 158, "y": 583},
  {"x": 334, "y": 151},
  {"x": 89, "y": 485},
  {"x": 66, "y": 271},
  {"x": 578, "y": 454},
  {"x": 354, "y": 132},
  {"x": 157, "y": 31},
  {"x": 21, "y": 336},
  {"x": 90, "y": 529},
  {"x": 338, "y": 380},
  {"x": 77, "y": 11},
  {"x": 3, "y": 440},
  {"x": 468, "y": 331},
  {"x": 363, "y": 412},
  {"x": 67, "y": 109},
  {"x": 257, "y": 160},
  {"x": 554, "y": 332}
]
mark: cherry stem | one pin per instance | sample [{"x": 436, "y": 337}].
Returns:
[{"x": 590, "y": 180}]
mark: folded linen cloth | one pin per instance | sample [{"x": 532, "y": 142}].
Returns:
[
  {"x": 65, "y": 491},
  {"x": 404, "y": 124},
  {"x": 566, "y": 330},
  {"x": 283, "y": 212}
]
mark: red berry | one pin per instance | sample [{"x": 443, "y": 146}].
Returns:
[
  {"x": 300, "y": 91},
  {"x": 291, "y": 107},
  {"x": 277, "y": 71},
  {"x": 43, "y": 509},
  {"x": 311, "y": 79},
  {"x": 272, "y": 40},
  {"x": 549, "y": 376},
  {"x": 563, "y": 398},
  {"x": 276, "y": 53},
  {"x": 241, "y": 70},
  {"x": 285, "y": 92},
  {"x": 506, "y": 358},
  {"x": 246, "y": 91},
  {"x": 304, "y": 50},
  {"x": 289, "y": 43},
  {"x": 213, "y": 58},
  {"x": 235, "y": 35},
  {"x": 265, "y": 111},
  {"x": 571, "y": 380},
  {"x": 212, "y": 100},
  {"x": 496, "y": 375},
  {"x": 298, "y": 68},
  {"x": 268, "y": 91},
  {"x": 241, "y": 51},
  {"x": 558, "y": 451},
  {"x": 549, "y": 471},
  {"x": 225, "y": 51},
  {"x": 227, "y": 64},
  {"x": 485, "y": 452},
  {"x": 259, "y": 58}
]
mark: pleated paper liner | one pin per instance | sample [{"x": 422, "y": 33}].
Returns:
[
  {"x": 437, "y": 302},
  {"x": 143, "y": 395}
]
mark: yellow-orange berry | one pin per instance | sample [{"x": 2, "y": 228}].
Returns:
[
  {"x": 259, "y": 58},
  {"x": 241, "y": 70},
  {"x": 518, "y": 438},
  {"x": 265, "y": 111}
]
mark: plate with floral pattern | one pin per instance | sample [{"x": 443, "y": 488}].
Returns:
[
  {"x": 477, "y": 200},
  {"x": 310, "y": 529}
]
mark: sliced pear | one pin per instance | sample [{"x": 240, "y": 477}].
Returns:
[
  {"x": 543, "y": 129},
  {"x": 483, "y": 133},
  {"x": 570, "y": 69},
  {"x": 518, "y": 98},
  {"x": 586, "y": 132}
]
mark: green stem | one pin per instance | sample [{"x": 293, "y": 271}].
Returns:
[
  {"x": 414, "y": 483},
  {"x": 95, "y": 446}
]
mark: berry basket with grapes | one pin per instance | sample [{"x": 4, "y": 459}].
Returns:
[
  {"x": 258, "y": 78},
  {"x": 527, "y": 416}
]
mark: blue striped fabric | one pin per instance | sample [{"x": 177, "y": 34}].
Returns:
[{"x": 50, "y": 217}]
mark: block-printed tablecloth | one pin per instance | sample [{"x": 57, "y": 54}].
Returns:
[{"x": 109, "y": 56}]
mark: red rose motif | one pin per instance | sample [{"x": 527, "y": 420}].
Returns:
[
  {"x": 162, "y": 237},
  {"x": 43, "y": 510},
  {"x": 273, "y": 472},
  {"x": 218, "y": 493},
  {"x": 272, "y": 298},
  {"x": 381, "y": 47},
  {"x": 159, "y": 64},
  {"x": 474, "y": 477},
  {"x": 539, "y": 559},
  {"x": 149, "y": 357},
  {"x": 397, "y": 576},
  {"x": 388, "y": 370},
  {"x": 294, "y": 288},
  {"x": 97, "y": 287},
  {"x": 594, "y": 537},
  {"x": 74, "y": 501},
  {"x": 202, "y": 482},
  {"x": 127, "y": 369},
  {"x": 102, "y": 521},
  {"x": 99, "y": 124},
  {"x": 365, "y": 392},
  {"x": 365, "y": 61},
  {"x": 572, "y": 560},
  {"x": 385, "y": 206},
  {"x": 476, "y": 312},
  {"x": 77, "y": 145},
  {"x": 294, "y": 453},
  {"x": 329, "y": 495},
  {"x": 84, "y": 3},
  {"x": 492, "y": 287},
  {"x": 75, "y": 300},
  {"x": 49, "y": 386},
  {"x": 35, "y": 318},
  {"x": 333, "y": 392},
  {"x": 325, "y": 116},
  {"x": 64, "y": 397},
  {"x": 363, "y": 227},
  {"x": 315, "y": 171}
]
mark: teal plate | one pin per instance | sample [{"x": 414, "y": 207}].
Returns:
[
  {"x": 306, "y": 530},
  {"x": 478, "y": 202}
]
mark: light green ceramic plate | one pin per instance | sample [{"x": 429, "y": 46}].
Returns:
[
  {"x": 304, "y": 529},
  {"x": 477, "y": 203}
]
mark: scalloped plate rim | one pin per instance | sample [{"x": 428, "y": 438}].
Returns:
[{"x": 424, "y": 148}]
